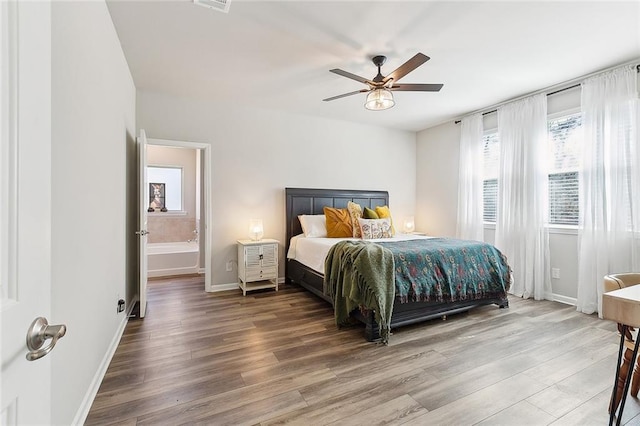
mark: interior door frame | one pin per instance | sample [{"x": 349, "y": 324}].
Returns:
[
  {"x": 206, "y": 189},
  {"x": 142, "y": 223}
]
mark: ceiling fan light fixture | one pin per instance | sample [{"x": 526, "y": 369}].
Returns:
[
  {"x": 379, "y": 99},
  {"x": 379, "y": 96}
]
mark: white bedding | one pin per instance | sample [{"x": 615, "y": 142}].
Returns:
[{"x": 312, "y": 251}]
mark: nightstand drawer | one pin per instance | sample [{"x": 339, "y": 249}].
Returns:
[{"x": 255, "y": 274}]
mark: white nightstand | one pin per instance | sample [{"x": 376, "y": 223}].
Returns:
[{"x": 257, "y": 264}]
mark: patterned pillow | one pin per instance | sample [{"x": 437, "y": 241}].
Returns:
[
  {"x": 355, "y": 213},
  {"x": 383, "y": 213},
  {"x": 375, "y": 228},
  {"x": 338, "y": 223}
]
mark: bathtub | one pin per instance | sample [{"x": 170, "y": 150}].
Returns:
[{"x": 166, "y": 259}]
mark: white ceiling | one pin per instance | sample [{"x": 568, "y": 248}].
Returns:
[{"x": 277, "y": 54}]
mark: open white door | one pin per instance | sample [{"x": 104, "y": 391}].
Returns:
[
  {"x": 25, "y": 207},
  {"x": 142, "y": 219}
]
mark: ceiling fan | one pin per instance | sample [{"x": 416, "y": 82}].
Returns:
[{"x": 380, "y": 87}]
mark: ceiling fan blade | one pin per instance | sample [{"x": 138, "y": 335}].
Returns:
[
  {"x": 351, "y": 76},
  {"x": 407, "y": 67},
  {"x": 346, "y": 94},
  {"x": 417, "y": 87}
]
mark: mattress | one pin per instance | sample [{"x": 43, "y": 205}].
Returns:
[{"x": 312, "y": 252}]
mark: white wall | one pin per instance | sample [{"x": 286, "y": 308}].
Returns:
[
  {"x": 437, "y": 193},
  {"x": 437, "y": 179},
  {"x": 93, "y": 127},
  {"x": 257, "y": 153}
]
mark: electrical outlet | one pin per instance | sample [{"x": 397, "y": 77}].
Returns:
[
  {"x": 229, "y": 266},
  {"x": 555, "y": 273}
]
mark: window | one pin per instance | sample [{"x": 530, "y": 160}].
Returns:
[
  {"x": 565, "y": 136},
  {"x": 491, "y": 157},
  {"x": 167, "y": 182}
]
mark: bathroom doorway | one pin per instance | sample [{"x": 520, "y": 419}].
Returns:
[
  {"x": 173, "y": 245},
  {"x": 178, "y": 208}
]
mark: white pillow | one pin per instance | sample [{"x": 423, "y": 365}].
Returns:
[
  {"x": 314, "y": 225},
  {"x": 372, "y": 229}
]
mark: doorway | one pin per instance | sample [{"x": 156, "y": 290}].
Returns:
[
  {"x": 189, "y": 215},
  {"x": 174, "y": 211}
]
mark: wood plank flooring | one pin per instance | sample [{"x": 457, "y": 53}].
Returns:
[{"x": 271, "y": 358}]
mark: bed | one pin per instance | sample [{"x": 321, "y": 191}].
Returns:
[{"x": 304, "y": 201}]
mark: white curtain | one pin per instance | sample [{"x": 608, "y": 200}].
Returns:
[
  {"x": 470, "y": 208},
  {"x": 521, "y": 232},
  {"x": 609, "y": 183}
]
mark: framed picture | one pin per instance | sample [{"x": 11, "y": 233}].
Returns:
[{"x": 156, "y": 196}]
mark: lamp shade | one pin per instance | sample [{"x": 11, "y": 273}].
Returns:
[
  {"x": 256, "y": 230},
  {"x": 379, "y": 99},
  {"x": 409, "y": 225}
]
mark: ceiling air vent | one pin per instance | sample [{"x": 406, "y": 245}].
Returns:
[{"x": 220, "y": 5}]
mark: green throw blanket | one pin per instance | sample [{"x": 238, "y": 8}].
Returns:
[{"x": 360, "y": 274}]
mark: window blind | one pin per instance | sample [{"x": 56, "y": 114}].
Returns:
[
  {"x": 565, "y": 136},
  {"x": 491, "y": 162}
]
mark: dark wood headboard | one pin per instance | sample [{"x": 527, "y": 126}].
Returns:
[{"x": 311, "y": 201}]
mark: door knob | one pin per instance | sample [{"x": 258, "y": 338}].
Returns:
[{"x": 38, "y": 333}]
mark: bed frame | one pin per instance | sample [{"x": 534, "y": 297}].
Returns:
[{"x": 311, "y": 201}]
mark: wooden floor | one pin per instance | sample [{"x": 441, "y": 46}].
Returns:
[{"x": 271, "y": 358}]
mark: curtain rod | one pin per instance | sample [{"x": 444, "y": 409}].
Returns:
[
  {"x": 548, "y": 94},
  {"x": 572, "y": 86}
]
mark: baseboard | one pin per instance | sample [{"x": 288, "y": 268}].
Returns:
[
  {"x": 172, "y": 272},
  {"x": 83, "y": 410},
  {"x": 560, "y": 298}
]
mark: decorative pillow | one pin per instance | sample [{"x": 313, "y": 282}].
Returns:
[
  {"x": 338, "y": 223},
  {"x": 355, "y": 213},
  {"x": 313, "y": 225},
  {"x": 384, "y": 213},
  {"x": 375, "y": 228},
  {"x": 370, "y": 214}
]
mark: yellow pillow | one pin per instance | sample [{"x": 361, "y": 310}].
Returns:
[
  {"x": 338, "y": 223},
  {"x": 355, "y": 213},
  {"x": 383, "y": 213}
]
